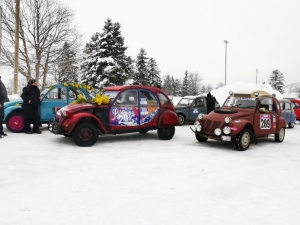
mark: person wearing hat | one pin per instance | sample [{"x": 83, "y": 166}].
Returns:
[
  {"x": 3, "y": 98},
  {"x": 210, "y": 102},
  {"x": 31, "y": 102}
]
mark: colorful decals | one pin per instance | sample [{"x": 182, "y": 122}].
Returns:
[
  {"x": 129, "y": 116},
  {"x": 143, "y": 101},
  {"x": 124, "y": 116},
  {"x": 195, "y": 111},
  {"x": 265, "y": 121}
]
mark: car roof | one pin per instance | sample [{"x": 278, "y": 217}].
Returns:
[{"x": 119, "y": 87}]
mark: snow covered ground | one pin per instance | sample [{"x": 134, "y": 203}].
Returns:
[{"x": 139, "y": 179}]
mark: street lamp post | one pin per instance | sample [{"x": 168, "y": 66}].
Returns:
[{"x": 226, "y": 42}]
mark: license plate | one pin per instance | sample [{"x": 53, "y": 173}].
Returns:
[
  {"x": 226, "y": 138},
  {"x": 55, "y": 127}
]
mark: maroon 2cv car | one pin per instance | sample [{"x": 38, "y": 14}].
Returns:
[
  {"x": 244, "y": 116},
  {"x": 133, "y": 108}
]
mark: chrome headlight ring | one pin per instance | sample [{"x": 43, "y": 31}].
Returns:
[
  {"x": 197, "y": 126},
  {"x": 218, "y": 131},
  {"x": 201, "y": 116},
  {"x": 227, "y": 119},
  {"x": 226, "y": 130}
]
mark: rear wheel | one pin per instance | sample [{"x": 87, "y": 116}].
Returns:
[
  {"x": 85, "y": 134},
  {"x": 166, "y": 133},
  {"x": 200, "y": 138},
  {"x": 15, "y": 123},
  {"x": 291, "y": 125},
  {"x": 280, "y": 136},
  {"x": 243, "y": 140},
  {"x": 181, "y": 118}
]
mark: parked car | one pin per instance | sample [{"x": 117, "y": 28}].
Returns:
[
  {"x": 133, "y": 108},
  {"x": 296, "y": 107},
  {"x": 53, "y": 97},
  {"x": 244, "y": 116},
  {"x": 189, "y": 107},
  {"x": 288, "y": 113}
]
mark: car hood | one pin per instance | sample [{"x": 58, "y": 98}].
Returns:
[
  {"x": 82, "y": 106},
  {"x": 221, "y": 114}
]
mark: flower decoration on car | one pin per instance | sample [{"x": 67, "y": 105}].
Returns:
[{"x": 99, "y": 99}]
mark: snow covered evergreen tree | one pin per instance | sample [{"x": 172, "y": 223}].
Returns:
[
  {"x": 167, "y": 84},
  {"x": 142, "y": 74},
  {"x": 276, "y": 80},
  {"x": 194, "y": 81},
  {"x": 105, "y": 63},
  {"x": 153, "y": 71},
  {"x": 185, "y": 85},
  {"x": 177, "y": 87},
  {"x": 67, "y": 68}
]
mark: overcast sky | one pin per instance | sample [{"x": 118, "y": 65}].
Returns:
[{"x": 189, "y": 35}]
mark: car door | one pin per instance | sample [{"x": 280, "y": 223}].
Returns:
[
  {"x": 124, "y": 114},
  {"x": 265, "y": 117},
  {"x": 149, "y": 108},
  {"x": 198, "y": 106},
  {"x": 56, "y": 97}
]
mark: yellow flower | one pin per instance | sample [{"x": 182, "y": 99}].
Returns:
[
  {"x": 51, "y": 87},
  {"x": 65, "y": 84}
]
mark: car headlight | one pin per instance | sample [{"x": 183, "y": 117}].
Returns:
[
  {"x": 218, "y": 131},
  {"x": 197, "y": 126},
  {"x": 201, "y": 116},
  {"x": 227, "y": 119},
  {"x": 226, "y": 130}
]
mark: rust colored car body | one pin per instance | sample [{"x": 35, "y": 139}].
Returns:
[
  {"x": 244, "y": 116},
  {"x": 133, "y": 108}
]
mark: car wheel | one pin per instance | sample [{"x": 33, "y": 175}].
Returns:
[
  {"x": 143, "y": 131},
  {"x": 85, "y": 134},
  {"x": 181, "y": 118},
  {"x": 67, "y": 135},
  {"x": 243, "y": 140},
  {"x": 15, "y": 123},
  {"x": 280, "y": 136},
  {"x": 166, "y": 133},
  {"x": 200, "y": 138},
  {"x": 291, "y": 125}
]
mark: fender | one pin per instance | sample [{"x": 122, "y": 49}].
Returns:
[
  {"x": 281, "y": 123},
  {"x": 10, "y": 109},
  {"x": 168, "y": 118},
  {"x": 69, "y": 123},
  {"x": 238, "y": 127}
]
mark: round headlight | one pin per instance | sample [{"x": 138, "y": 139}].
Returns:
[
  {"x": 197, "y": 126},
  {"x": 227, "y": 120},
  {"x": 200, "y": 116},
  {"x": 226, "y": 130},
  {"x": 218, "y": 131}
]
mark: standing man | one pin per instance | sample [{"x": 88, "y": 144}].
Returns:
[
  {"x": 210, "y": 102},
  {"x": 3, "y": 98},
  {"x": 31, "y": 102}
]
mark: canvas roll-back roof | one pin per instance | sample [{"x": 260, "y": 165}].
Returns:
[{"x": 249, "y": 93}]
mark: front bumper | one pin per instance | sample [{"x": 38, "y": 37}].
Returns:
[
  {"x": 54, "y": 126},
  {"x": 217, "y": 138}
]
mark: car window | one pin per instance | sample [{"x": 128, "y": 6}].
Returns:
[
  {"x": 185, "y": 101},
  {"x": 287, "y": 106},
  {"x": 240, "y": 102},
  {"x": 57, "y": 93},
  {"x": 163, "y": 99},
  {"x": 128, "y": 97},
  {"x": 267, "y": 104},
  {"x": 147, "y": 98},
  {"x": 199, "y": 103}
]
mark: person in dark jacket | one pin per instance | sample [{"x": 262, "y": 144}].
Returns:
[
  {"x": 31, "y": 102},
  {"x": 210, "y": 102},
  {"x": 3, "y": 98}
]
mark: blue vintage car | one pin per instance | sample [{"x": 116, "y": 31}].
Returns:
[
  {"x": 53, "y": 97},
  {"x": 288, "y": 113}
]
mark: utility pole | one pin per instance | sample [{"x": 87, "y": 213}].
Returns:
[
  {"x": 0, "y": 31},
  {"x": 256, "y": 74},
  {"x": 16, "y": 69},
  {"x": 226, "y": 42}
]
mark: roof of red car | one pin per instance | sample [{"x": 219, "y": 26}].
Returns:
[{"x": 118, "y": 88}]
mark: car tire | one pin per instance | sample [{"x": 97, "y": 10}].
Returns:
[
  {"x": 291, "y": 125},
  {"x": 15, "y": 123},
  {"x": 200, "y": 138},
  {"x": 181, "y": 118},
  {"x": 85, "y": 134},
  {"x": 243, "y": 140},
  {"x": 280, "y": 136},
  {"x": 166, "y": 133}
]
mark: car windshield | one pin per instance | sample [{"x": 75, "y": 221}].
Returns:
[
  {"x": 185, "y": 101},
  {"x": 110, "y": 94},
  {"x": 44, "y": 91},
  {"x": 240, "y": 102}
]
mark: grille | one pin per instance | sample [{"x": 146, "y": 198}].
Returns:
[{"x": 211, "y": 126}]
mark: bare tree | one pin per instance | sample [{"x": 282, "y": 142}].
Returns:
[{"x": 45, "y": 25}]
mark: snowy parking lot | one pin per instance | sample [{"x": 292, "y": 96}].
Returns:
[{"x": 139, "y": 179}]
